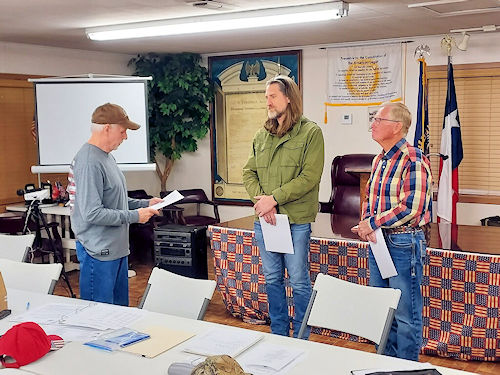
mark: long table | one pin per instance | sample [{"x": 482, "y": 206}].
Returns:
[
  {"x": 461, "y": 290},
  {"x": 77, "y": 359}
]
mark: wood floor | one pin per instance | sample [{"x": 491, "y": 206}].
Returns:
[{"x": 217, "y": 313}]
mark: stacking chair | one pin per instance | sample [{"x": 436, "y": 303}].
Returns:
[
  {"x": 352, "y": 308},
  {"x": 40, "y": 278},
  {"x": 15, "y": 247},
  {"x": 178, "y": 295}
]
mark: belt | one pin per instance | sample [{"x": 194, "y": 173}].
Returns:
[{"x": 402, "y": 229}]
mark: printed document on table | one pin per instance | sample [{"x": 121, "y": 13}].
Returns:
[
  {"x": 103, "y": 316},
  {"x": 168, "y": 200},
  {"x": 270, "y": 359},
  {"x": 413, "y": 367},
  {"x": 218, "y": 341},
  {"x": 51, "y": 313},
  {"x": 382, "y": 256},
  {"x": 277, "y": 238}
]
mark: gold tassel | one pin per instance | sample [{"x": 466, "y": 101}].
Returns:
[{"x": 326, "y": 114}]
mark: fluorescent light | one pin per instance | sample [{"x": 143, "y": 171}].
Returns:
[{"x": 222, "y": 22}]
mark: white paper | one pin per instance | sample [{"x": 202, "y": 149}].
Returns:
[
  {"x": 70, "y": 333},
  {"x": 277, "y": 238},
  {"x": 269, "y": 359},
  {"x": 96, "y": 316},
  {"x": 405, "y": 366},
  {"x": 220, "y": 341},
  {"x": 173, "y": 197},
  {"x": 382, "y": 256},
  {"x": 51, "y": 313},
  {"x": 104, "y": 316}
]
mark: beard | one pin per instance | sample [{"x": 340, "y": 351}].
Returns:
[{"x": 273, "y": 114}]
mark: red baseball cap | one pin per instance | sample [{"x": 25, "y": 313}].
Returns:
[{"x": 24, "y": 343}]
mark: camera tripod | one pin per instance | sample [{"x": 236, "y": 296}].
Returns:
[{"x": 35, "y": 215}]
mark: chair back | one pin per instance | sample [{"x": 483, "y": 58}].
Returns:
[
  {"x": 345, "y": 197},
  {"x": 352, "y": 308},
  {"x": 11, "y": 222},
  {"x": 39, "y": 278},
  {"x": 15, "y": 247},
  {"x": 198, "y": 197},
  {"x": 173, "y": 294}
]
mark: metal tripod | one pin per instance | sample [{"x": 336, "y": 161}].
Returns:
[{"x": 35, "y": 215}]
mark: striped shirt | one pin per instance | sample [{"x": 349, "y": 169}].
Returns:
[{"x": 399, "y": 191}]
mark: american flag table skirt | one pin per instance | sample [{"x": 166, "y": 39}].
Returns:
[{"x": 460, "y": 290}]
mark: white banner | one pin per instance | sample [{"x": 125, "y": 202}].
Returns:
[{"x": 364, "y": 75}]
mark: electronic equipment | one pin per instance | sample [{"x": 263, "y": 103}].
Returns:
[
  {"x": 182, "y": 249},
  {"x": 31, "y": 193}
]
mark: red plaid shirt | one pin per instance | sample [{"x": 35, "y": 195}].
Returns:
[{"x": 399, "y": 191}]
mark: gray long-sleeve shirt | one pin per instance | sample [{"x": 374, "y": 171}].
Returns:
[{"x": 100, "y": 208}]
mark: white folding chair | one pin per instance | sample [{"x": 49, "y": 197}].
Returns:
[
  {"x": 178, "y": 295},
  {"x": 352, "y": 308},
  {"x": 40, "y": 278},
  {"x": 15, "y": 247}
]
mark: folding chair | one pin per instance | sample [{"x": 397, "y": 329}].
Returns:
[
  {"x": 178, "y": 295},
  {"x": 40, "y": 278},
  {"x": 352, "y": 308},
  {"x": 15, "y": 247}
]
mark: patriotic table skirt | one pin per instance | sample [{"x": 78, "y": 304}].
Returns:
[{"x": 460, "y": 290}]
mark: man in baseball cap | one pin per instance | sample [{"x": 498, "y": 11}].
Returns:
[
  {"x": 113, "y": 114},
  {"x": 101, "y": 210}
]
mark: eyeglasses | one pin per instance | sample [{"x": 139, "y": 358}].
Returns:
[{"x": 377, "y": 120}]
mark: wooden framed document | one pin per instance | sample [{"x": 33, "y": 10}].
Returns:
[{"x": 238, "y": 111}]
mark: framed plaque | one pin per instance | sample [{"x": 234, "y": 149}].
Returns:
[{"x": 238, "y": 111}]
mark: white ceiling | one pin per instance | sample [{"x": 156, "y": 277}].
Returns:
[{"x": 62, "y": 23}]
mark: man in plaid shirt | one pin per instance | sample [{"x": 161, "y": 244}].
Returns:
[{"x": 398, "y": 200}]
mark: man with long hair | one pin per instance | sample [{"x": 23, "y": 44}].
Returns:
[{"x": 282, "y": 175}]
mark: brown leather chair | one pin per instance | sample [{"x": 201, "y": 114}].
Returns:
[
  {"x": 192, "y": 196},
  {"x": 345, "y": 197}
]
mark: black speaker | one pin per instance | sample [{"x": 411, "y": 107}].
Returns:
[{"x": 182, "y": 249}]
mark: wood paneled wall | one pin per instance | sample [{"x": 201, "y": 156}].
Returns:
[{"x": 18, "y": 150}]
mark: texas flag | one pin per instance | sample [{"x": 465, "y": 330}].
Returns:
[{"x": 451, "y": 156}]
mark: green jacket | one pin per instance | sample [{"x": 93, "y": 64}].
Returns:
[{"x": 289, "y": 168}]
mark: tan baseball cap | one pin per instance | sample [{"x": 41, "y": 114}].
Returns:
[{"x": 113, "y": 114}]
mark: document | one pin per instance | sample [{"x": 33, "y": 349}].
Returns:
[
  {"x": 277, "y": 238},
  {"x": 382, "y": 256},
  {"x": 270, "y": 359},
  {"x": 51, "y": 313},
  {"x": 103, "y": 316},
  {"x": 97, "y": 316},
  {"x": 415, "y": 368},
  {"x": 161, "y": 339},
  {"x": 218, "y": 341},
  {"x": 173, "y": 197}
]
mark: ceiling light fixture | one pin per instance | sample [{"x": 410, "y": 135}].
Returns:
[{"x": 222, "y": 22}]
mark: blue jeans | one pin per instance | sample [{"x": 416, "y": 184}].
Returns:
[
  {"x": 297, "y": 264},
  {"x": 407, "y": 251},
  {"x": 102, "y": 281}
]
